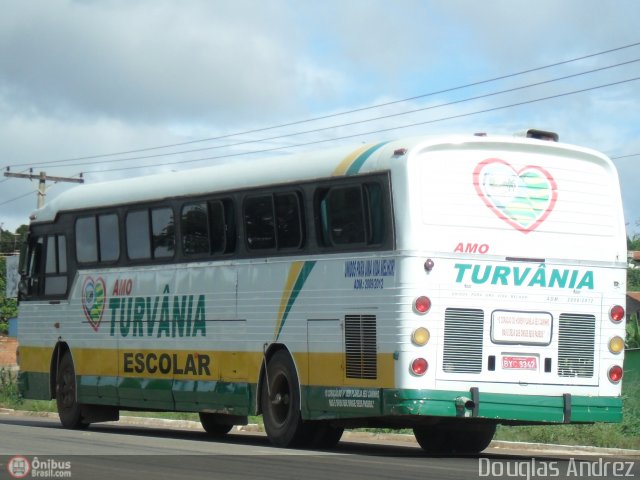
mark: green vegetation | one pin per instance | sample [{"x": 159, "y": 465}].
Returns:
[
  {"x": 9, "y": 243},
  {"x": 633, "y": 333},
  {"x": 633, "y": 279},
  {"x": 612, "y": 435},
  {"x": 8, "y": 306}
]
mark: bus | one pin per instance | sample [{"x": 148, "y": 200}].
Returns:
[{"x": 443, "y": 284}]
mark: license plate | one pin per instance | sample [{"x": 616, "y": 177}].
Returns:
[{"x": 519, "y": 363}]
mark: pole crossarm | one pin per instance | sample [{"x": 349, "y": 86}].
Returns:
[
  {"x": 32, "y": 176},
  {"x": 42, "y": 178}
]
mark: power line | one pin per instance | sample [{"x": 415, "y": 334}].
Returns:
[
  {"x": 347, "y": 112},
  {"x": 349, "y": 124},
  {"x": 315, "y": 142},
  {"x": 625, "y": 156},
  {"x": 16, "y": 198}
]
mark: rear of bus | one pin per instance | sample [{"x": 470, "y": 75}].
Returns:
[{"x": 517, "y": 273}]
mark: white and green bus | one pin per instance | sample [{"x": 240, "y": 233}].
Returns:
[{"x": 442, "y": 284}]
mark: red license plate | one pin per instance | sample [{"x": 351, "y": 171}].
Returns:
[{"x": 519, "y": 363}]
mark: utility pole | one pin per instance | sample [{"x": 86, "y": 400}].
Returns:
[{"x": 42, "y": 180}]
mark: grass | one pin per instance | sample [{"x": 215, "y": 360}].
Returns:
[{"x": 613, "y": 435}]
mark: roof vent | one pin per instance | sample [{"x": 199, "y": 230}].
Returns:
[{"x": 538, "y": 135}]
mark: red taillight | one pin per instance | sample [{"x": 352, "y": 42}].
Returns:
[
  {"x": 419, "y": 366},
  {"x": 615, "y": 373},
  {"x": 422, "y": 304},
  {"x": 616, "y": 313}
]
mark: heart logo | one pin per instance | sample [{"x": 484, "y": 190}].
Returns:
[
  {"x": 94, "y": 300},
  {"x": 523, "y": 198}
]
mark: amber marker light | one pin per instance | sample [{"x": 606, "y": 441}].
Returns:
[
  {"x": 420, "y": 336},
  {"x": 616, "y": 345}
]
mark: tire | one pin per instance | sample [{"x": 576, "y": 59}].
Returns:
[
  {"x": 69, "y": 410},
  {"x": 280, "y": 402},
  {"x": 325, "y": 436},
  {"x": 455, "y": 437},
  {"x": 212, "y": 426}
]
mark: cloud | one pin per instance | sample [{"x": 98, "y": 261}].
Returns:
[
  {"x": 89, "y": 77},
  {"x": 153, "y": 62}
]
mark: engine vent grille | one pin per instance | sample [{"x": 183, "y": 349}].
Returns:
[
  {"x": 463, "y": 338},
  {"x": 360, "y": 346},
  {"x": 576, "y": 345}
]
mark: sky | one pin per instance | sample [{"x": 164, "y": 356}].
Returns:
[{"x": 81, "y": 81}]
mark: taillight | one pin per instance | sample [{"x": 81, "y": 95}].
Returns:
[
  {"x": 419, "y": 366},
  {"x": 422, "y": 304},
  {"x": 615, "y": 373},
  {"x": 616, "y": 313}
]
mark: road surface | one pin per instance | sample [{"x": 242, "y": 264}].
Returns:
[{"x": 116, "y": 451}]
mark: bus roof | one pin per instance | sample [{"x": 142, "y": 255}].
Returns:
[{"x": 282, "y": 169}]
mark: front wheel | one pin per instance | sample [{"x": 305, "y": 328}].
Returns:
[
  {"x": 280, "y": 402},
  {"x": 212, "y": 425},
  {"x": 69, "y": 410}
]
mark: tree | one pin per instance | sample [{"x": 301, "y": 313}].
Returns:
[
  {"x": 8, "y": 306},
  {"x": 10, "y": 242}
]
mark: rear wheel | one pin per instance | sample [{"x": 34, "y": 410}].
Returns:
[
  {"x": 280, "y": 401},
  {"x": 455, "y": 437},
  {"x": 324, "y": 435},
  {"x": 69, "y": 410},
  {"x": 212, "y": 425}
]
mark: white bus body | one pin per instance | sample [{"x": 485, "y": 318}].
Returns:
[{"x": 482, "y": 284}]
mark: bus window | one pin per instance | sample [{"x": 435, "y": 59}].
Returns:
[
  {"x": 288, "y": 220},
  {"x": 86, "y": 240},
  {"x": 346, "y": 216},
  {"x": 109, "y": 235},
  {"x": 273, "y": 221},
  {"x": 195, "y": 229},
  {"x": 223, "y": 231},
  {"x": 138, "y": 238},
  {"x": 55, "y": 282},
  {"x": 33, "y": 277},
  {"x": 101, "y": 244},
  {"x": 375, "y": 209},
  {"x": 259, "y": 222},
  {"x": 351, "y": 215},
  {"x": 163, "y": 232}
]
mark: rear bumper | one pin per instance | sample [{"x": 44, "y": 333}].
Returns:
[{"x": 502, "y": 407}]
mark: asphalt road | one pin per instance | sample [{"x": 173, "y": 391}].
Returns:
[{"x": 116, "y": 451}]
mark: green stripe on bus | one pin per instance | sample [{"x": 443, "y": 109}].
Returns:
[
  {"x": 295, "y": 291},
  {"x": 355, "y": 167}
]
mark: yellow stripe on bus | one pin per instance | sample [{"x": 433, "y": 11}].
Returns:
[
  {"x": 35, "y": 359},
  {"x": 344, "y": 165},
  {"x": 316, "y": 369},
  {"x": 294, "y": 272}
]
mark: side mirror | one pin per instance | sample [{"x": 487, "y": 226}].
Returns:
[
  {"x": 23, "y": 285},
  {"x": 22, "y": 265}
]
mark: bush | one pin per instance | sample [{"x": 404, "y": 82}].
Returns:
[
  {"x": 633, "y": 333},
  {"x": 610, "y": 435},
  {"x": 9, "y": 395}
]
